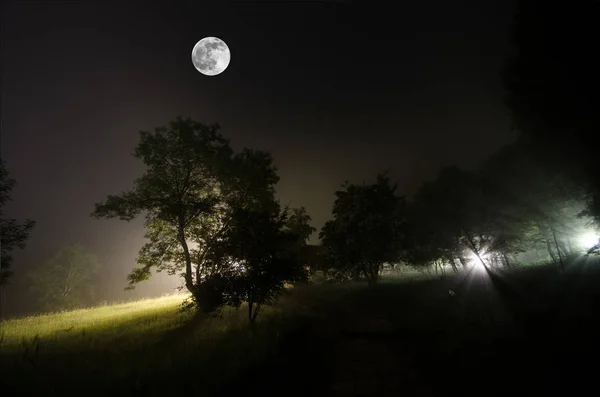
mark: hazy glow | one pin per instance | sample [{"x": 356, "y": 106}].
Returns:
[
  {"x": 475, "y": 260},
  {"x": 588, "y": 240}
]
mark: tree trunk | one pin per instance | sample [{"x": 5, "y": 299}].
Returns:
[
  {"x": 372, "y": 274},
  {"x": 560, "y": 259},
  {"x": 189, "y": 281},
  {"x": 549, "y": 247},
  {"x": 506, "y": 261},
  {"x": 371, "y": 280},
  {"x": 476, "y": 252},
  {"x": 452, "y": 263},
  {"x": 565, "y": 250},
  {"x": 252, "y": 314},
  {"x": 255, "y": 314}
]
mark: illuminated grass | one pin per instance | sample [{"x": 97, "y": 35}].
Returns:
[
  {"x": 97, "y": 324},
  {"x": 139, "y": 346},
  {"x": 149, "y": 348}
]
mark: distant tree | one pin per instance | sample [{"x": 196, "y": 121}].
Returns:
[
  {"x": 430, "y": 241},
  {"x": 315, "y": 258},
  {"x": 366, "y": 230},
  {"x": 298, "y": 223},
  {"x": 12, "y": 234},
  {"x": 536, "y": 207},
  {"x": 454, "y": 216},
  {"x": 264, "y": 253},
  {"x": 192, "y": 193},
  {"x": 66, "y": 281}
]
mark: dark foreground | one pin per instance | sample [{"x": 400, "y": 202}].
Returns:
[
  {"x": 517, "y": 332},
  {"x": 533, "y": 331}
]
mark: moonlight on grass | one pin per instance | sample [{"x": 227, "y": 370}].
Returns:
[{"x": 211, "y": 56}]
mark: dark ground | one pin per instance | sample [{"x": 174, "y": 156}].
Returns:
[{"x": 528, "y": 331}]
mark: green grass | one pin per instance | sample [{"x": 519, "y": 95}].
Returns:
[
  {"x": 146, "y": 347},
  {"x": 95, "y": 327},
  {"x": 527, "y": 318}
]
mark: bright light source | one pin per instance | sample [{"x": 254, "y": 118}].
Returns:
[
  {"x": 588, "y": 240},
  {"x": 476, "y": 262}
]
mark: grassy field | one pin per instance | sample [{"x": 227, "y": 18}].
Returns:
[
  {"x": 527, "y": 330},
  {"x": 139, "y": 348},
  {"x": 96, "y": 327}
]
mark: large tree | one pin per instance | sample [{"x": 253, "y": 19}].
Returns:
[
  {"x": 66, "y": 281},
  {"x": 367, "y": 228},
  {"x": 190, "y": 192},
  {"x": 12, "y": 233}
]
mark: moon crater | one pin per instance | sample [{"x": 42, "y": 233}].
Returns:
[{"x": 211, "y": 56}]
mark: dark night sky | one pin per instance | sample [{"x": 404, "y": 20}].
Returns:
[{"x": 335, "y": 90}]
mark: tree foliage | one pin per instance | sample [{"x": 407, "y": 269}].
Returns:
[
  {"x": 265, "y": 255},
  {"x": 194, "y": 193},
  {"x": 12, "y": 233},
  {"x": 511, "y": 206},
  {"x": 366, "y": 230},
  {"x": 66, "y": 281}
]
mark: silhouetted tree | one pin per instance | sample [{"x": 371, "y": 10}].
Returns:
[
  {"x": 366, "y": 230},
  {"x": 535, "y": 206},
  {"x": 12, "y": 233},
  {"x": 430, "y": 240},
  {"x": 66, "y": 281},
  {"x": 315, "y": 258},
  {"x": 298, "y": 223},
  {"x": 179, "y": 191},
  {"x": 453, "y": 211},
  {"x": 192, "y": 193},
  {"x": 265, "y": 256}
]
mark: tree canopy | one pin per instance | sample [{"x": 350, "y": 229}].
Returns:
[
  {"x": 198, "y": 196},
  {"x": 510, "y": 206},
  {"x": 264, "y": 255},
  {"x": 366, "y": 230}
]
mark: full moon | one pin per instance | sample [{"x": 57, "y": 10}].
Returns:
[{"x": 211, "y": 56}]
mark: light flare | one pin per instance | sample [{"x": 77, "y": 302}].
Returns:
[
  {"x": 476, "y": 262},
  {"x": 588, "y": 239}
]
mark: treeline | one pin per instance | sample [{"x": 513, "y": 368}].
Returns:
[
  {"x": 212, "y": 217},
  {"x": 512, "y": 210},
  {"x": 536, "y": 196}
]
